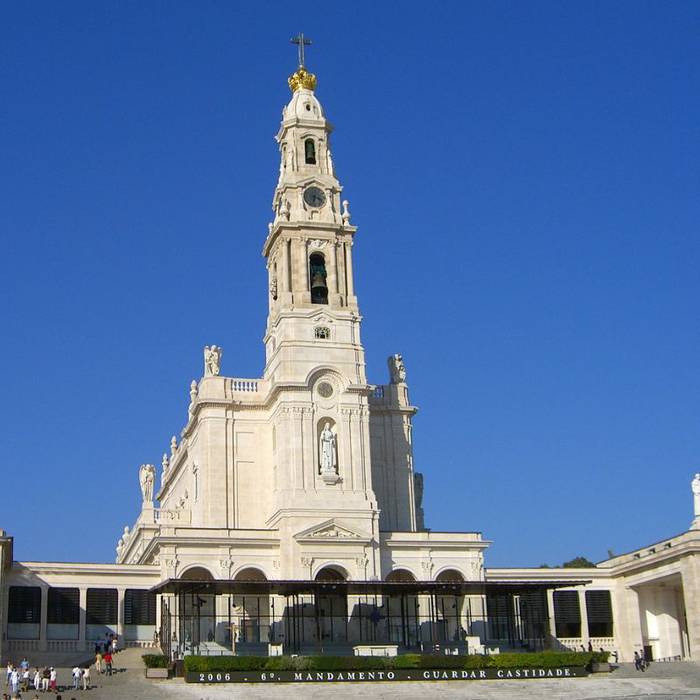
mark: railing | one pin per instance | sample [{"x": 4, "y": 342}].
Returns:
[
  {"x": 22, "y": 644},
  {"x": 604, "y": 643},
  {"x": 62, "y": 645},
  {"x": 244, "y": 385}
]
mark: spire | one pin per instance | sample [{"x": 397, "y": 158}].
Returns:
[{"x": 301, "y": 78}]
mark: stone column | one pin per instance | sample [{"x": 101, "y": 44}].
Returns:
[
  {"x": 585, "y": 637},
  {"x": 296, "y": 446},
  {"x": 690, "y": 575},
  {"x": 550, "y": 614},
  {"x": 309, "y": 450},
  {"x": 283, "y": 271},
  {"x": 120, "y": 616},
  {"x": 44, "y": 616},
  {"x": 82, "y": 621},
  {"x": 348, "y": 273},
  {"x": 345, "y": 453}
]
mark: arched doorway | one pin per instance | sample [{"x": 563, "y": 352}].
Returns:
[
  {"x": 450, "y": 626},
  {"x": 198, "y": 612},
  {"x": 331, "y": 573},
  {"x": 249, "y": 613},
  {"x": 402, "y": 611},
  {"x": 331, "y": 610}
]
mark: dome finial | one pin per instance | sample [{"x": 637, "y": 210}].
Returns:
[{"x": 301, "y": 78}]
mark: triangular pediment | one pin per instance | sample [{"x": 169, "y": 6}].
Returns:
[{"x": 331, "y": 530}]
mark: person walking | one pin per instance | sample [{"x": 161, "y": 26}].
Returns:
[
  {"x": 37, "y": 679},
  {"x": 53, "y": 680},
  {"x": 98, "y": 660},
  {"x": 108, "y": 663},
  {"x": 25, "y": 680},
  {"x": 45, "y": 675},
  {"x": 14, "y": 681},
  {"x": 86, "y": 678},
  {"x": 9, "y": 672},
  {"x": 76, "y": 673}
]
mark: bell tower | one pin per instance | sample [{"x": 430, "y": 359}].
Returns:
[{"x": 313, "y": 314}]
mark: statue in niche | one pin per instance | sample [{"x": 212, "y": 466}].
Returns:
[
  {"x": 147, "y": 474},
  {"x": 397, "y": 369},
  {"x": 695, "y": 484},
  {"x": 327, "y": 453},
  {"x": 212, "y": 360}
]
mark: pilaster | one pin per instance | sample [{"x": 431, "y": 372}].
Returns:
[
  {"x": 82, "y": 620},
  {"x": 43, "y": 617}
]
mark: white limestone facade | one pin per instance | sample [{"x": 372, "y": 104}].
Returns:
[
  {"x": 245, "y": 485},
  {"x": 310, "y": 468}
]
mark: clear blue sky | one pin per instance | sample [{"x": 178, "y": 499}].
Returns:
[{"x": 524, "y": 174}]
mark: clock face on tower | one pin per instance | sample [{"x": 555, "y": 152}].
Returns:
[{"x": 314, "y": 197}]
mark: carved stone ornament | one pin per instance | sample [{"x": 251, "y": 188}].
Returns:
[
  {"x": 307, "y": 562},
  {"x": 346, "y": 212},
  {"x": 317, "y": 243},
  {"x": 172, "y": 563},
  {"x": 397, "y": 369},
  {"x": 427, "y": 567},
  {"x": 165, "y": 462},
  {"x": 173, "y": 445},
  {"x": 226, "y": 565},
  {"x": 334, "y": 532},
  {"x": 147, "y": 475},
  {"x": 212, "y": 360},
  {"x": 193, "y": 393},
  {"x": 327, "y": 451}
]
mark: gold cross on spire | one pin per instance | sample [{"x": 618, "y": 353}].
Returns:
[{"x": 301, "y": 41}]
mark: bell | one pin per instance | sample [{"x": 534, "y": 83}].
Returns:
[{"x": 318, "y": 281}]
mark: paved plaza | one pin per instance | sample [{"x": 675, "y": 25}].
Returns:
[{"x": 660, "y": 682}]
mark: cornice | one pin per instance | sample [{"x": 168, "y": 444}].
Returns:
[{"x": 295, "y": 227}]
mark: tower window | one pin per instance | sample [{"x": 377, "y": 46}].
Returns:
[
  {"x": 322, "y": 333},
  {"x": 317, "y": 274},
  {"x": 309, "y": 152}
]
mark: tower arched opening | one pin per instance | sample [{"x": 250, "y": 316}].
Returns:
[
  {"x": 309, "y": 152},
  {"x": 318, "y": 276}
]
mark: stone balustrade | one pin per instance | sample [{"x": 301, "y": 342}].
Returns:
[{"x": 247, "y": 386}]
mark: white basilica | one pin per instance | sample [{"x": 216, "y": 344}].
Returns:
[{"x": 288, "y": 514}]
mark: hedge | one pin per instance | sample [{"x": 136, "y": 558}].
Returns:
[
  {"x": 155, "y": 661},
  {"x": 545, "y": 659}
]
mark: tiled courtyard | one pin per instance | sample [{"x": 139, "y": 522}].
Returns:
[{"x": 660, "y": 682}]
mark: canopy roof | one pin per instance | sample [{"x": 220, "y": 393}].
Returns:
[{"x": 219, "y": 586}]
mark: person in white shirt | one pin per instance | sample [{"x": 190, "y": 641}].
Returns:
[
  {"x": 37, "y": 679},
  {"x": 14, "y": 681},
  {"x": 86, "y": 678},
  {"x": 53, "y": 680},
  {"x": 76, "y": 677}
]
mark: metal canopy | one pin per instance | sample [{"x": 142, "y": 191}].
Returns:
[{"x": 285, "y": 588}]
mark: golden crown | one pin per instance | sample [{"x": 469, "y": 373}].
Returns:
[{"x": 302, "y": 79}]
